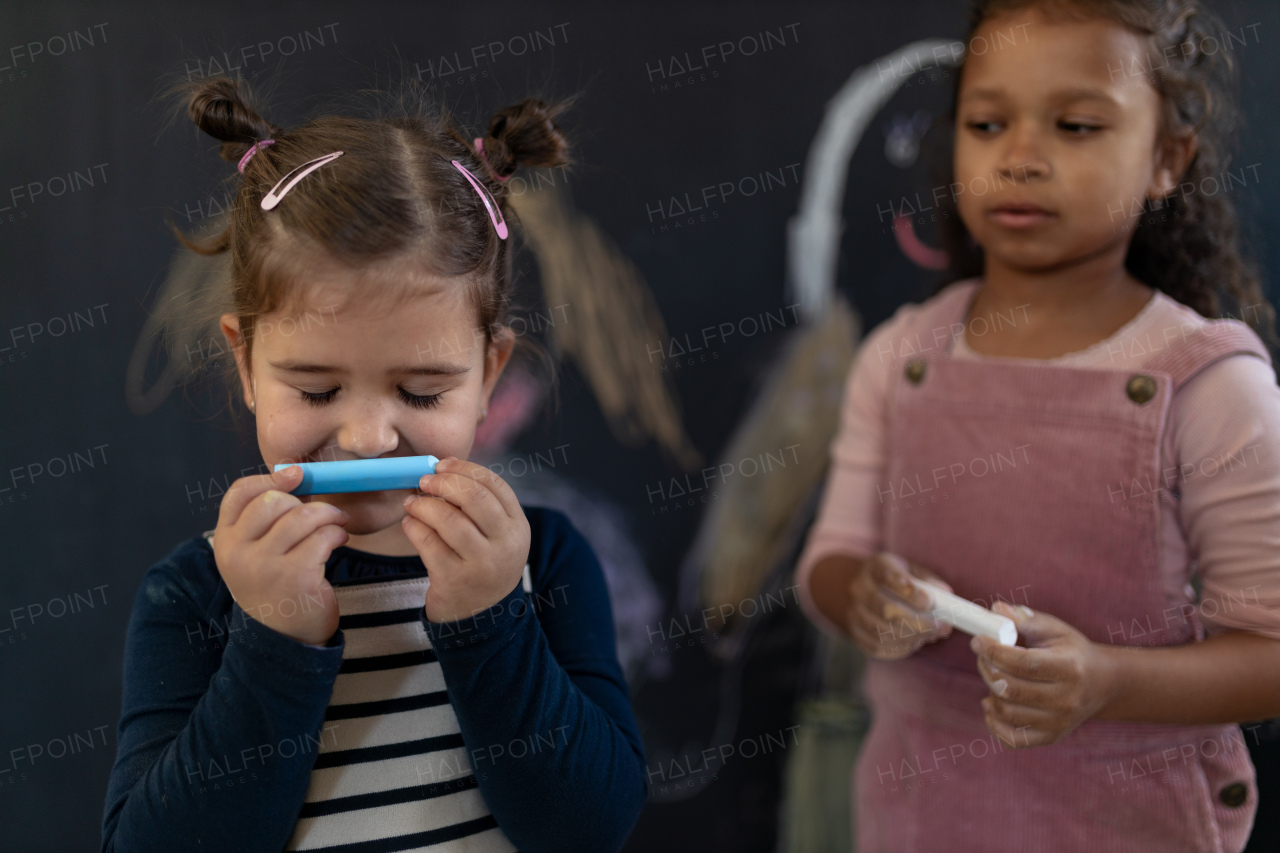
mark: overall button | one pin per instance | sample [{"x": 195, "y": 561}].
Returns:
[
  {"x": 915, "y": 370},
  {"x": 1141, "y": 388},
  {"x": 1234, "y": 795}
]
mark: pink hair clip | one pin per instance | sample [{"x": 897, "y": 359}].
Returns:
[
  {"x": 253, "y": 149},
  {"x": 480, "y": 150},
  {"x": 272, "y": 198},
  {"x": 490, "y": 203}
]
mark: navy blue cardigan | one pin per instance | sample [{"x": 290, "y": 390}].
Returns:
[{"x": 213, "y": 700}]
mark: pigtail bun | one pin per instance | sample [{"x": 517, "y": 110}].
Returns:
[
  {"x": 224, "y": 109},
  {"x": 526, "y": 135}
]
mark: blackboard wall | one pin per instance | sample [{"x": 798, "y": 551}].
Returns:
[{"x": 92, "y": 494}]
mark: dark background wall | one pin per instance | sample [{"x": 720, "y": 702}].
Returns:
[{"x": 98, "y": 253}]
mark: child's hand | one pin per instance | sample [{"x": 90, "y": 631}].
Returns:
[
  {"x": 271, "y": 550},
  {"x": 1040, "y": 694},
  {"x": 889, "y": 616},
  {"x": 472, "y": 534}
]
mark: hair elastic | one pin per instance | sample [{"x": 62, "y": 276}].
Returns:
[
  {"x": 272, "y": 198},
  {"x": 253, "y": 149},
  {"x": 480, "y": 150},
  {"x": 490, "y": 203}
]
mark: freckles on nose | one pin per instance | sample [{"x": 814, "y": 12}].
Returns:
[{"x": 368, "y": 439}]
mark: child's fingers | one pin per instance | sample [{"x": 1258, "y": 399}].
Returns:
[
  {"x": 1023, "y": 716},
  {"x": 1017, "y": 690},
  {"x": 869, "y": 642},
  {"x": 451, "y": 524},
  {"x": 895, "y": 611},
  {"x": 246, "y": 489},
  {"x": 477, "y": 503},
  {"x": 1015, "y": 735},
  {"x": 925, "y": 575},
  {"x": 263, "y": 512},
  {"x": 1036, "y": 628},
  {"x": 892, "y": 573},
  {"x": 895, "y": 628},
  {"x": 299, "y": 523},
  {"x": 867, "y": 622},
  {"x": 490, "y": 480},
  {"x": 1043, "y": 665},
  {"x": 887, "y": 607},
  {"x": 315, "y": 547},
  {"x": 426, "y": 538},
  {"x": 885, "y": 640},
  {"x": 873, "y": 636}
]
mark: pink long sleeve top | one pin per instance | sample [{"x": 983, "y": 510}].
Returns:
[{"x": 1219, "y": 489}]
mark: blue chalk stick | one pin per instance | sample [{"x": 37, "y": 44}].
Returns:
[{"x": 362, "y": 475}]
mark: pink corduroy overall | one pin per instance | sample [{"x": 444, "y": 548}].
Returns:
[{"x": 1039, "y": 485}]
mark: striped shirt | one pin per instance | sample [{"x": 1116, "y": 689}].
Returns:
[{"x": 392, "y": 771}]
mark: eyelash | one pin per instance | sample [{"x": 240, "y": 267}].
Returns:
[
  {"x": 418, "y": 401},
  {"x": 978, "y": 126},
  {"x": 1079, "y": 124}
]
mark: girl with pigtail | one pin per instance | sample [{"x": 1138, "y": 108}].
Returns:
[{"x": 395, "y": 670}]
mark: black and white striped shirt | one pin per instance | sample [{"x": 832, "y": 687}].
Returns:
[{"x": 392, "y": 772}]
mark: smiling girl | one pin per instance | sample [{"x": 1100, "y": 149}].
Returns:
[
  {"x": 1065, "y": 433},
  {"x": 396, "y": 670}
]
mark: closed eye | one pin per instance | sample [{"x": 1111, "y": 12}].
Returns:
[
  {"x": 418, "y": 401},
  {"x": 318, "y": 399}
]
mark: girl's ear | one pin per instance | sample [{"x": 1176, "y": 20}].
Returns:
[
  {"x": 495, "y": 361},
  {"x": 230, "y": 326},
  {"x": 1175, "y": 156}
]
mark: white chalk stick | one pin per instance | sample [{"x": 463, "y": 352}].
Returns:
[{"x": 967, "y": 616}]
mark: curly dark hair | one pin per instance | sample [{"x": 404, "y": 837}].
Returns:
[{"x": 1194, "y": 255}]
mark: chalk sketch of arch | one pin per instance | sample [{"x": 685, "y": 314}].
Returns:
[
  {"x": 813, "y": 234},
  {"x": 743, "y": 541},
  {"x": 744, "y": 537}
]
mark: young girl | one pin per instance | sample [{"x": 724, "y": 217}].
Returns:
[
  {"x": 1067, "y": 435},
  {"x": 396, "y": 670}
]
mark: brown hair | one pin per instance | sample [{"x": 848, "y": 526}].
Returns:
[
  {"x": 392, "y": 200},
  {"x": 394, "y": 203},
  {"x": 1192, "y": 256}
]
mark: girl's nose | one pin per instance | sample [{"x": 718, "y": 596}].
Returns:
[
  {"x": 1022, "y": 157},
  {"x": 368, "y": 434}
]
